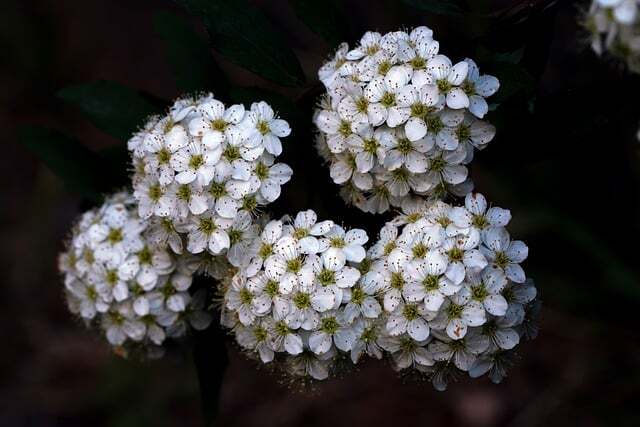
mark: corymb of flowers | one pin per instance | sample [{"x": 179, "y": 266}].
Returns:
[
  {"x": 400, "y": 120},
  {"x": 118, "y": 278},
  {"x": 455, "y": 297},
  {"x": 613, "y": 26},
  {"x": 440, "y": 293},
  {"x": 301, "y": 296},
  {"x": 202, "y": 171}
]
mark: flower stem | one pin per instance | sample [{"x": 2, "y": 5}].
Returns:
[{"x": 210, "y": 357}]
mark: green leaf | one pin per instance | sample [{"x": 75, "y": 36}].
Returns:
[
  {"x": 80, "y": 169},
  {"x": 439, "y": 7},
  {"x": 111, "y": 107},
  {"x": 188, "y": 55},
  {"x": 241, "y": 33},
  {"x": 323, "y": 18}
]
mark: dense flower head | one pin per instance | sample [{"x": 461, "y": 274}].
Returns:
[
  {"x": 450, "y": 283},
  {"x": 400, "y": 119},
  {"x": 203, "y": 170},
  {"x": 442, "y": 287},
  {"x": 613, "y": 27},
  {"x": 301, "y": 298},
  {"x": 119, "y": 279}
]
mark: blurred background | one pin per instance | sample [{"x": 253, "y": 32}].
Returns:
[{"x": 565, "y": 161}]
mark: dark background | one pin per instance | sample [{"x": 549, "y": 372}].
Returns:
[{"x": 565, "y": 161}]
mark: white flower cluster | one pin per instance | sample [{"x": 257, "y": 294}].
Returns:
[
  {"x": 300, "y": 296},
  {"x": 400, "y": 119},
  {"x": 442, "y": 289},
  {"x": 452, "y": 288},
  {"x": 613, "y": 25},
  {"x": 116, "y": 277},
  {"x": 204, "y": 169}
]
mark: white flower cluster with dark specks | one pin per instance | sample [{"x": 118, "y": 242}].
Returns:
[
  {"x": 300, "y": 296},
  {"x": 116, "y": 277},
  {"x": 400, "y": 119},
  {"x": 441, "y": 290},
  {"x": 204, "y": 169},
  {"x": 454, "y": 294}
]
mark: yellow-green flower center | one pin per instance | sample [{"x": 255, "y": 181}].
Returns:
[
  {"x": 196, "y": 161},
  {"x": 219, "y": 124},
  {"x": 262, "y": 171},
  {"x": 329, "y": 325},
  {"x": 302, "y": 300},
  {"x": 207, "y": 226},
  {"x": 388, "y": 100},
  {"x": 184, "y": 192},
  {"x": 263, "y": 127},
  {"x": 455, "y": 254},
  {"x": 410, "y": 312},
  {"x": 326, "y": 277},
  {"x": 419, "y": 250},
  {"x": 397, "y": 281},
  {"x": 163, "y": 156},
  {"x": 502, "y": 260},
  {"x": 115, "y": 235}
]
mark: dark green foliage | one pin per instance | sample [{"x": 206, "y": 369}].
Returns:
[
  {"x": 81, "y": 169},
  {"x": 322, "y": 17},
  {"x": 110, "y": 106},
  {"x": 189, "y": 55},
  {"x": 242, "y": 34}
]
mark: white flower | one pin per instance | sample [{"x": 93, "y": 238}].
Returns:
[
  {"x": 406, "y": 352},
  {"x": 461, "y": 352},
  {"x": 195, "y": 163},
  {"x": 331, "y": 330},
  {"x": 262, "y": 128},
  {"x": 242, "y": 233},
  {"x": 478, "y": 88},
  {"x": 448, "y": 78},
  {"x": 504, "y": 253},
  {"x": 368, "y": 149},
  {"x": 408, "y": 318},
  {"x": 344, "y": 246},
  {"x": 360, "y": 302},
  {"x": 486, "y": 287},
  {"x": 152, "y": 198},
  {"x": 256, "y": 338},
  {"x": 463, "y": 255},
  {"x": 245, "y": 303},
  {"x": 400, "y": 151},
  {"x": 369, "y": 45},
  {"x": 307, "y": 229},
  {"x": 457, "y": 313},
  {"x": 427, "y": 283},
  {"x": 207, "y": 232},
  {"x": 271, "y": 178},
  {"x": 344, "y": 168},
  {"x": 386, "y": 97},
  {"x": 366, "y": 341},
  {"x": 215, "y": 122},
  {"x": 330, "y": 70}
]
